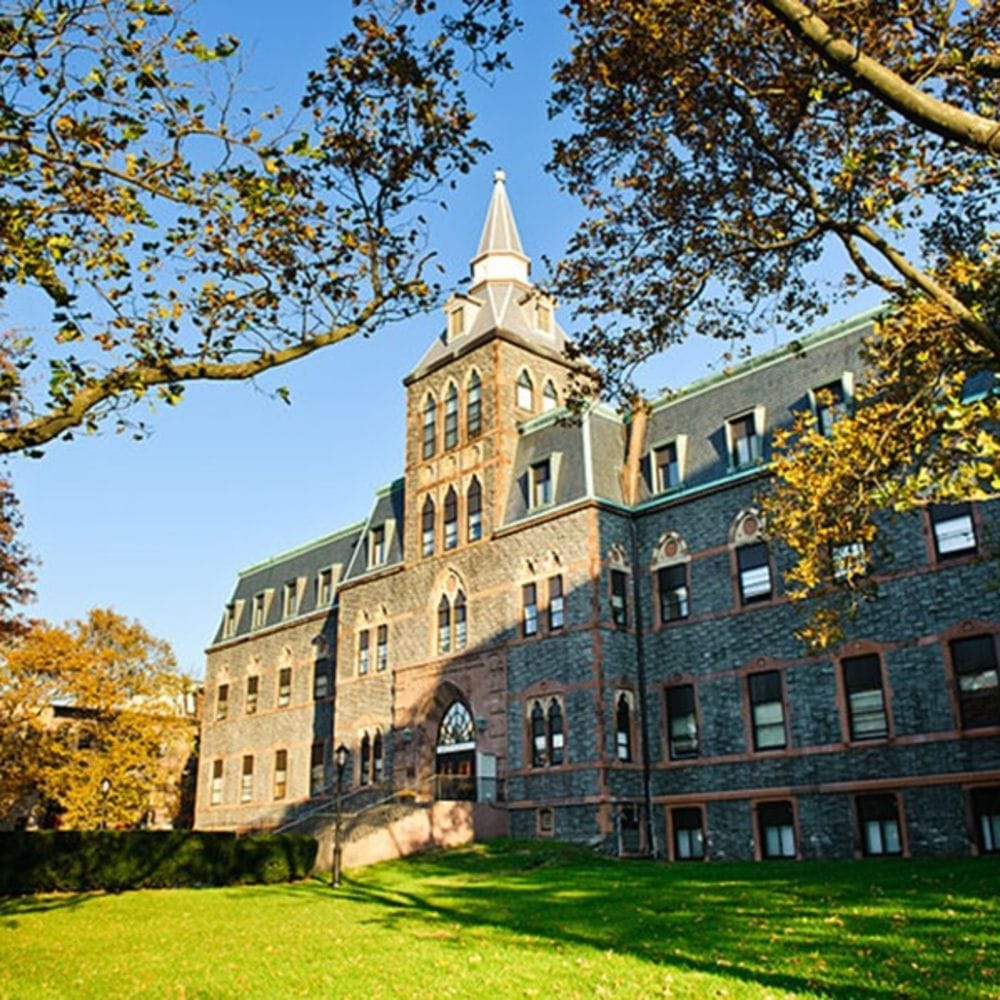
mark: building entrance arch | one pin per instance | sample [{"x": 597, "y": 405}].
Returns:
[{"x": 455, "y": 759}]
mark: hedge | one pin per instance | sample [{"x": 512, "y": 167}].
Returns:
[{"x": 80, "y": 860}]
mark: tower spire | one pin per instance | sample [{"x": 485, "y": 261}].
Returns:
[{"x": 500, "y": 255}]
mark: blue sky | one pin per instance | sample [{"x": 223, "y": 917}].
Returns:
[{"x": 158, "y": 529}]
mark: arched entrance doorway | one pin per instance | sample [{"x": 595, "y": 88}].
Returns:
[{"x": 455, "y": 762}]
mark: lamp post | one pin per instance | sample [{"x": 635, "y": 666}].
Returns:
[
  {"x": 340, "y": 756},
  {"x": 105, "y": 788}
]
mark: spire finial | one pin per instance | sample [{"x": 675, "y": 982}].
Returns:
[
  {"x": 499, "y": 176},
  {"x": 500, "y": 255}
]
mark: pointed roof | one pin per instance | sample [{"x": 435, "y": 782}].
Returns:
[{"x": 500, "y": 254}]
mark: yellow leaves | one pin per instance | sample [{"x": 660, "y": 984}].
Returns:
[{"x": 271, "y": 166}]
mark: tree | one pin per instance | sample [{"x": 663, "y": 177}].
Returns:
[
  {"x": 176, "y": 240},
  {"x": 723, "y": 149},
  {"x": 94, "y": 699}
]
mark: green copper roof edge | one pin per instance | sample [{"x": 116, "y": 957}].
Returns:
[
  {"x": 595, "y": 407},
  {"x": 387, "y": 488},
  {"x": 299, "y": 549},
  {"x": 830, "y": 332}
]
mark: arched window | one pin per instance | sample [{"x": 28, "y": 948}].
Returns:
[
  {"x": 430, "y": 427},
  {"x": 377, "y": 757},
  {"x": 461, "y": 627},
  {"x": 525, "y": 392},
  {"x": 556, "y": 741},
  {"x": 547, "y": 734},
  {"x": 623, "y": 728},
  {"x": 451, "y": 417},
  {"x": 444, "y": 625},
  {"x": 539, "y": 737},
  {"x": 365, "y": 760},
  {"x": 474, "y": 510},
  {"x": 753, "y": 557},
  {"x": 474, "y": 407},
  {"x": 427, "y": 528},
  {"x": 550, "y": 399},
  {"x": 456, "y": 727},
  {"x": 451, "y": 518}
]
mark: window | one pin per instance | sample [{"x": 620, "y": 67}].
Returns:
[
  {"x": 229, "y": 621},
  {"x": 474, "y": 407},
  {"x": 461, "y": 625},
  {"x": 689, "y": 837},
  {"x": 377, "y": 551},
  {"x": 365, "y": 760},
  {"x": 451, "y": 417},
  {"x": 430, "y": 427},
  {"x": 619, "y": 598},
  {"x": 848, "y": 561},
  {"x": 377, "y": 758},
  {"x": 754, "y": 565},
  {"x": 222, "y": 702},
  {"x": 550, "y": 399},
  {"x": 954, "y": 532},
  {"x": 878, "y": 820},
  {"x": 831, "y": 404},
  {"x": 451, "y": 518},
  {"x": 456, "y": 322},
  {"x": 324, "y": 587},
  {"x": 672, "y": 582},
  {"x": 623, "y": 728},
  {"x": 546, "y": 822},
  {"x": 258, "y": 610},
  {"x": 246, "y": 780},
  {"x": 529, "y": 601},
  {"x": 977, "y": 681},
  {"x": 557, "y": 607},
  {"x": 284, "y": 686},
  {"x": 767, "y": 710},
  {"x": 547, "y": 736},
  {"x": 744, "y": 441},
  {"x": 364, "y": 638},
  {"x": 382, "y": 647},
  {"x": 317, "y": 776},
  {"x": 444, "y": 625},
  {"x": 682, "y": 722},
  {"x": 543, "y": 317},
  {"x": 525, "y": 392},
  {"x": 541, "y": 484},
  {"x": 866, "y": 713},
  {"x": 986, "y": 814},
  {"x": 777, "y": 830},
  {"x": 289, "y": 602},
  {"x": 667, "y": 469},
  {"x": 321, "y": 682},
  {"x": 280, "y": 773},
  {"x": 474, "y": 509},
  {"x": 427, "y": 528},
  {"x": 253, "y": 690},
  {"x": 215, "y": 797}
]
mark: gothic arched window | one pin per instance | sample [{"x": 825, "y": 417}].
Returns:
[
  {"x": 427, "y": 528},
  {"x": 474, "y": 510},
  {"x": 461, "y": 626},
  {"x": 451, "y": 518},
  {"x": 473, "y": 407},
  {"x": 525, "y": 392},
  {"x": 444, "y": 625},
  {"x": 451, "y": 417},
  {"x": 377, "y": 757},
  {"x": 550, "y": 399},
  {"x": 456, "y": 726},
  {"x": 365, "y": 760},
  {"x": 430, "y": 427},
  {"x": 623, "y": 728}
]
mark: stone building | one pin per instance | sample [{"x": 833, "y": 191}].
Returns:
[{"x": 582, "y": 622}]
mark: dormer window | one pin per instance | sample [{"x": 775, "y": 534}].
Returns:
[
  {"x": 525, "y": 392},
  {"x": 543, "y": 317},
  {"x": 258, "y": 610},
  {"x": 666, "y": 467},
  {"x": 451, "y": 417},
  {"x": 289, "y": 599},
  {"x": 376, "y": 555},
  {"x": 745, "y": 439},
  {"x": 550, "y": 399},
  {"x": 830, "y": 404},
  {"x": 456, "y": 323},
  {"x": 541, "y": 484},
  {"x": 229, "y": 621},
  {"x": 430, "y": 427},
  {"x": 324, "y": 587}
]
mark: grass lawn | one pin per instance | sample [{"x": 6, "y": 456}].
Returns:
[{"x": 524, "y": 920}]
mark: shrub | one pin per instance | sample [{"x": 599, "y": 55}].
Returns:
[{"x": 77, "y": 860}]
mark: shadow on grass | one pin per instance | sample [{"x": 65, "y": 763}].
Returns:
[
  {"x": 12, "y": 907},
  {"x": 842, "y": 929}
]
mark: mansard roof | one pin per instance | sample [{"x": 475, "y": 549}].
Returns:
[{"x": 387, "y": 512}]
